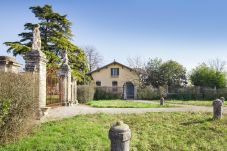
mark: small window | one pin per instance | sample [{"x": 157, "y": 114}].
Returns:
[
  {"x": 114, "y": 87},
  {"x": 98, "y": 83},
  {"x": 114, "y": 72},
  {"x": 114, "y": 83}
]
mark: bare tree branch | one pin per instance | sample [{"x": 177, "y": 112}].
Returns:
[
  {"x": 136, "y": 62},
  {"x": 94, "y": 58},
  {"x": 217, "y": 64}
]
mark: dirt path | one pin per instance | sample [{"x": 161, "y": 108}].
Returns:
[{"x": 64, "y": 112}]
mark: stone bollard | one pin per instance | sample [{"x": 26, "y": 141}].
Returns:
[
  {"x": 162, "y": 100},
  {"x": 222, "y": 99},
  {"x": 217, "y": 109},
  {"x": 119, "y": 135}
]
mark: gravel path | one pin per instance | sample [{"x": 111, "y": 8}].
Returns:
[{"x": 65, "y": 112}]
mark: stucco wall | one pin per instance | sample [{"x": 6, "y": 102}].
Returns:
[{"x": 125, "y": 75}]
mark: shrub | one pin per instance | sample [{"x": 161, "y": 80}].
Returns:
[
  {"x": 17, "y": 105},
  {"x": 108, "y": 93},
  {"x": 148, "y": 93},
  {"x": 85, "y": 93}
]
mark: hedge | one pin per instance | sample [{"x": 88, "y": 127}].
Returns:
[
  {"x": 18, "y": 107},
  {"x": 85, "y": 93}
]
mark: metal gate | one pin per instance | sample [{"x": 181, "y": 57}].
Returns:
[{"x": 52, "y": 87}]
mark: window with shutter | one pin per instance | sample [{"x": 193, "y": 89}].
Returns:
[{"x": 114, "y": 72}]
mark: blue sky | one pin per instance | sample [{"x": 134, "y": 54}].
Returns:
[{"x": 188, "y": 31}]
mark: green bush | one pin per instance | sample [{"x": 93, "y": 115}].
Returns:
[
  {"x": 148, "y": 93},
  {"x": 17, "y": 105},
  {"x": 85, "y": 93},
  {"x": 108, "y": 93}
]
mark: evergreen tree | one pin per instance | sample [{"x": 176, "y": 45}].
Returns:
[{"x": 56, "y": 36}]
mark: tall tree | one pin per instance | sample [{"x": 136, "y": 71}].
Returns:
[
  {"x": 56, "y": 36},
  {"x": 169, "y": 73},
  {"x": 206, "y": 76},
  {"x": 153, "y": 72},
  {"x": 173, "y": 74},
  {"x": 94, "y": 58}
]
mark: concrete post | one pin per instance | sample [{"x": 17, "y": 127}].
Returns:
[
  {"x": 162, "y": 101},
  {"x": 217, "y": 109},
  {"x": 120, "y": 136}
]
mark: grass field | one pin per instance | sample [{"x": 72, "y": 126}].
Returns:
[
  {"x": 123, "y": 104},
  {"x": 190, "y": 102},
  {"x": 150, "y": 131}
]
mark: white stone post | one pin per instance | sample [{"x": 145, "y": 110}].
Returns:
[
  {"x": 35, "y": 62},
  {"x": 120, "y": 135}
]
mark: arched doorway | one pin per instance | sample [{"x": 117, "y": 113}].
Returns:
[{"x": 129, "y": 90}]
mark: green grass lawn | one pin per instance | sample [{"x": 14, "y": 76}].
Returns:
[
  {"x": 191, "y": 102},
  {"x": 150, "y": 131},
  {"x": 123, "y": 104},
  {"x": 52, "y": 99}
]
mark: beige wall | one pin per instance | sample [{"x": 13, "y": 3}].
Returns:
[
  {"x": 125, "y": 75},
  {"x": 9, "y": 68}
]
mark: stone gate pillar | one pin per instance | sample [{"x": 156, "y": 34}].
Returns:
[
  {"x": 65, "y": 85},
  {"x": 74, "y": 91},
  {"x": 35, "y": 62}
]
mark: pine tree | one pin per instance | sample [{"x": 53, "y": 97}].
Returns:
[{"x": 56, "y": 36}]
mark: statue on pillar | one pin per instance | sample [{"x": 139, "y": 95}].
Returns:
[
  {"x": 36, "y": 45},
  {"x": 65, "y": 57}
]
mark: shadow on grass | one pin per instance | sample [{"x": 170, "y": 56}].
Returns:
[{"x": 196, "y": 122}]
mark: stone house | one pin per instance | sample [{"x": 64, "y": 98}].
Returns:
[
  {"x": 9, "y": 64},
  {"x": 116, "y": 75}
]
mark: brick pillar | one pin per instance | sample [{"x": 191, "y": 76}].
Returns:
[
  {"x": 65, "y": 85},
  {"x": 35, "y": 62}
]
